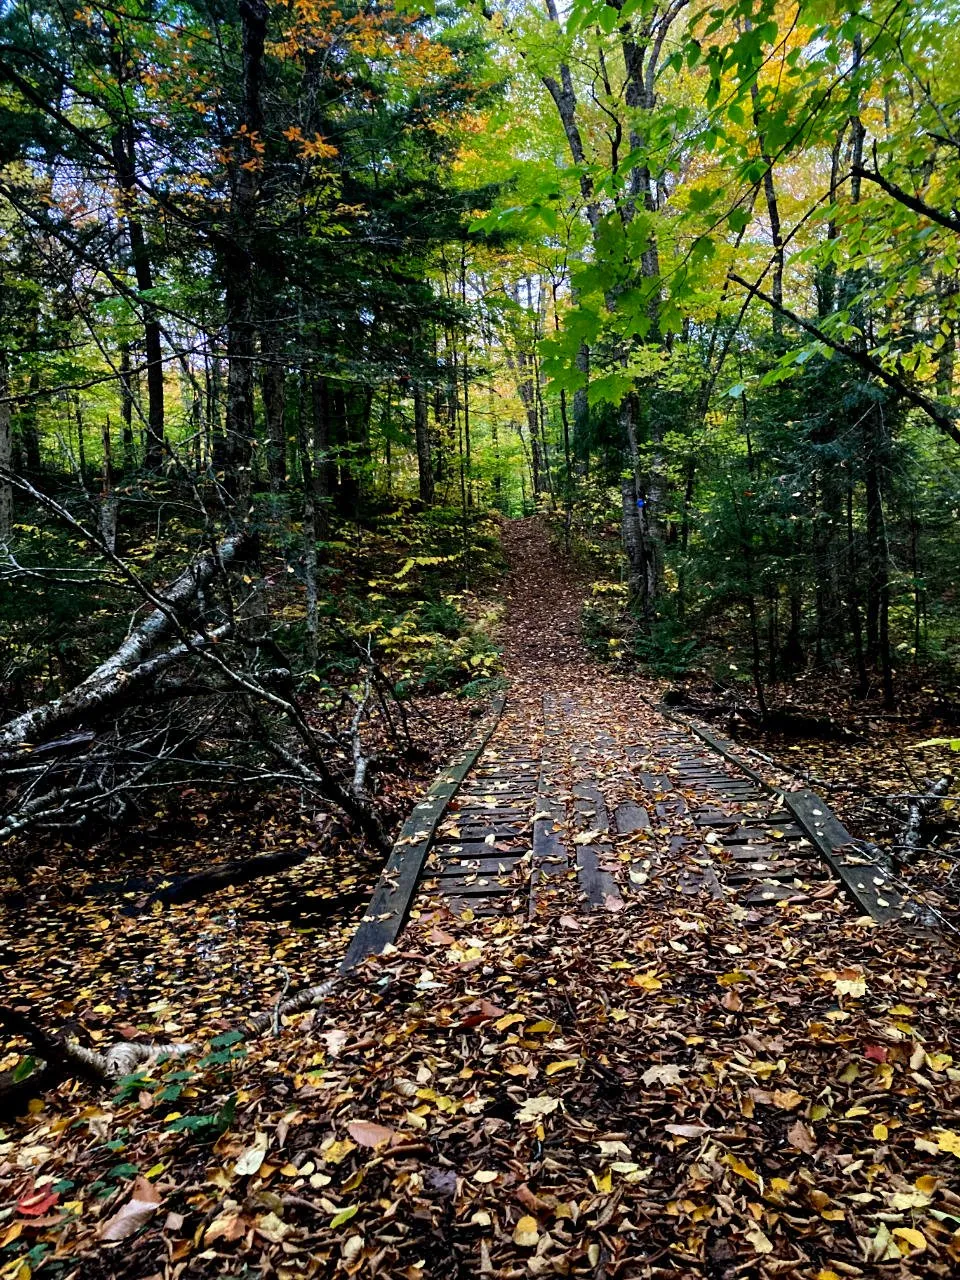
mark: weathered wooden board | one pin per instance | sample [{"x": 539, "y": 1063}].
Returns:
[
  {"x": 597, "y": 884},
  {"x": 390, "y": 905},
  {"x": 629, "y": 817},
  {"x": 550, "y": 857},
  {"x": 882, "y": 901},
  {"x": 866, "y": 883}
]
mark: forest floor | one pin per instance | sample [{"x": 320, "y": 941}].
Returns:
[{"x": 672, "y": 1085}]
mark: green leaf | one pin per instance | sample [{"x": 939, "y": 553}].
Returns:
[
  {"x": 226, "y": 1038},
  {"x": 343, "y": 1216},
  {"x": 24, "y": 1068},
  {"x": 738, "y": 219}
]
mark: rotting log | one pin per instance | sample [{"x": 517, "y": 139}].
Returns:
[{"x": 226, "y": 874}]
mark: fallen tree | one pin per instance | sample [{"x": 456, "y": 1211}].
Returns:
[
  {"x": 135, "y": 663},
  {"x": 193, "y": 645}
]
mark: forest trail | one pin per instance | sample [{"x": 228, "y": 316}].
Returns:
[{"x": 586, "y": 795}]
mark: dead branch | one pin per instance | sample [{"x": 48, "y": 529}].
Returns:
[
  {"x": 238, "y": 871},
  {"x": 919, "y": 812}
]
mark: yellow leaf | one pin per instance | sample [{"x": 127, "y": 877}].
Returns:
[
  {"x": 603, "y": 1181},
  {"x": 526, "y": 1233},
  {"x": 554, "y": 1067},
  {"x": 880, "y": 1132},
  {"x": 646, "y": 981},
  {"x": 336, "y": 1151},
  {"x": 913, "y": 1238},
  {"x": 743, "y": 1170},
  {"x": 949, "y": 1140},
  {"x": 508, "y": 1020}
]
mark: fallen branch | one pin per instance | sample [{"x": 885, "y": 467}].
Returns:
[
  {"x": 60, "y": 1057},
  {"x": 919, "y": 811},
  {"x": 238, "y": 871}
]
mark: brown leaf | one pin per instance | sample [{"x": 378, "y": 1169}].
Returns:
[
  {"x": 136, "y": 1213},
  {"x": 799, "y": 1136},
  {"x": 366, "y": 1134}
]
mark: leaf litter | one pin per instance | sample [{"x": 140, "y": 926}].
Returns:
[{"x": 680, "y": 1088}]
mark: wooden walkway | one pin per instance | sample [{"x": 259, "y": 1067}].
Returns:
[{"x": 509, "y": 822}]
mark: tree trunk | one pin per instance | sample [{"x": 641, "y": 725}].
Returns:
[
  {"x": 6, "y": 452},
  {"x": 123, "y": 146},
  {"x": 126, "y": 410},
  {"x": 308, "y": 450},
  {"x": 238, "y": 264},
  {"x": 108, "y": 499},
  {"x": 273, "y": 388},
  {"x": 422, "y": 432}
]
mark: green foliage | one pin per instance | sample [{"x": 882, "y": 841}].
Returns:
[{"x": 207, "y": 1127}]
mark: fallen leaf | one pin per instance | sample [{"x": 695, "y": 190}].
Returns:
[
  {"x": 526, "y": 1233},
  {"x": 537, "y": 1108},
  {"x": 250, "y": 1161},
  {"x": 787, "y": 1099},
  {"x": 366, "y": 1134},
  {"x": 136, "y": 1213},
  {"x": 915, "y": 1240},
  {"x": 36, "y": 1203},
  {"x": 800, "y": 1137},
  {"x": 553, "y": 1068},
  {"x": 665, "y": 1073}
]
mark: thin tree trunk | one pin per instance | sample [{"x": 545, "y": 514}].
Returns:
[
  {"x": 853, "y": 595},
  {"x": 123, "y": 146},
  {"x": 273, "y": 388},
  {"x": 6, "y": 452},
  {"x": 422, "y": 432},
  {"x": 238, "y": 264},
  {"x": 108, "y": 499},
  {"x": 308, "y": 448}
]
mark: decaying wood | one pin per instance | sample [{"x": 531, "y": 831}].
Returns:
[
  {"x": 919, "y": 811},
  {"x": 60, "y": 1057},
  {"x": 239, "y": 871},
  {"x": 128, "y": 679}
]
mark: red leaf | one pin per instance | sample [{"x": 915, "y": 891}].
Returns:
[
  {"x": 36, "y": 1203},
  {"x": 876, "y": 1052}
]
